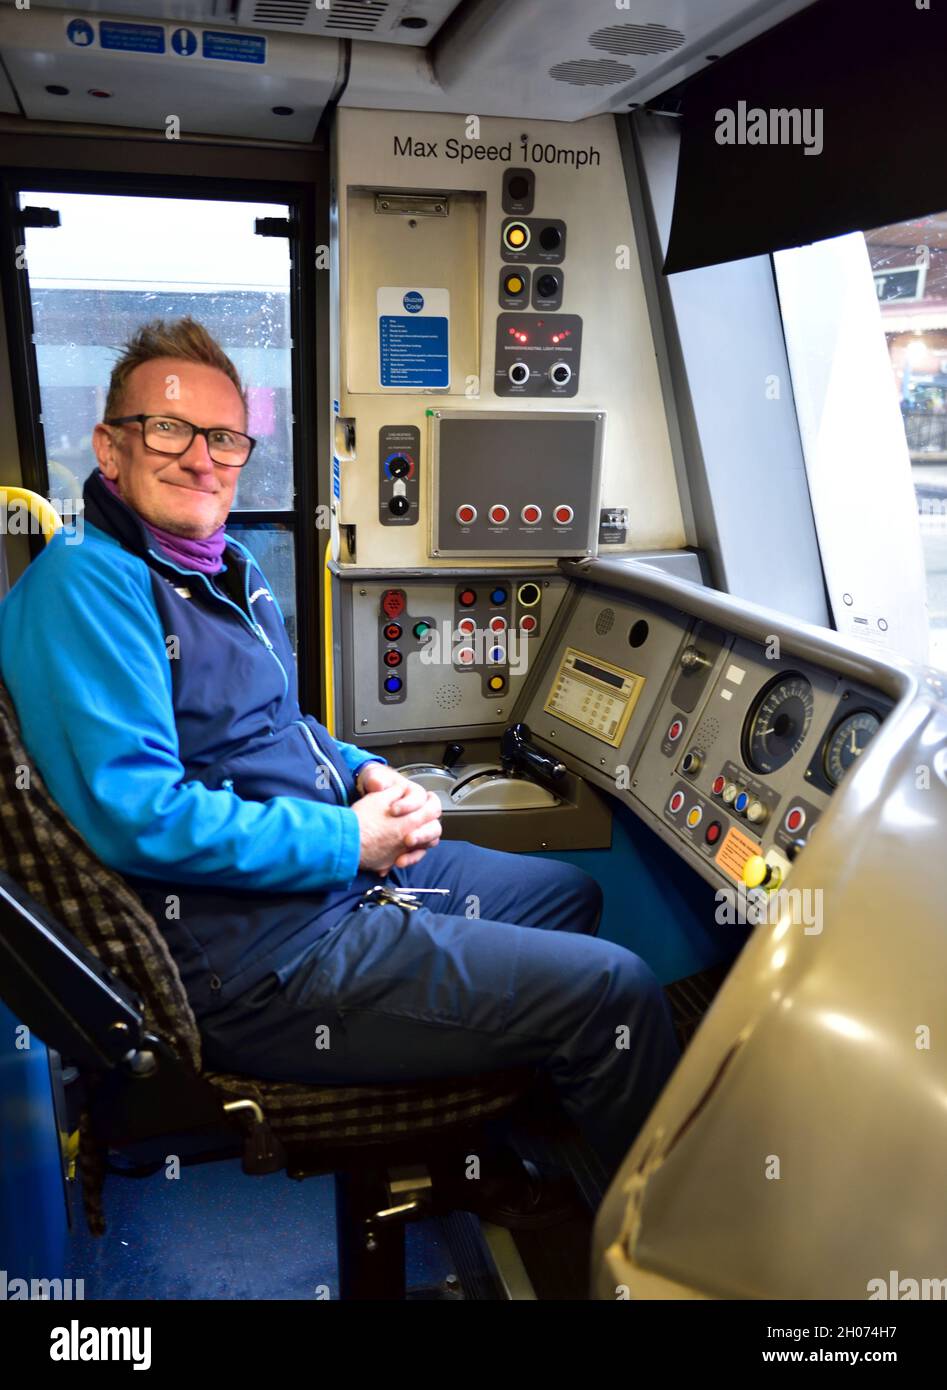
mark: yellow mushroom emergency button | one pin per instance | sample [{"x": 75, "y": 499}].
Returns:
[{"x": 758, "y": 874}]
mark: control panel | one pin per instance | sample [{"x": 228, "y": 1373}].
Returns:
[
  {"x": 515, "y": 483},
  {"x": 538, "y": 354},
  {"x": 733, "y": 755},
  {"x": 442, "y": 654},
  {"x": 399, "y": 452}
]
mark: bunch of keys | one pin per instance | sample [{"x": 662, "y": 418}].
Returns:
[{"x": 391, "y": 893}]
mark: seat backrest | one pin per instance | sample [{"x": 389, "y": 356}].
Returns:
[{"x": 45, "y": 854}]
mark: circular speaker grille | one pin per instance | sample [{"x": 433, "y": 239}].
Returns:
[
  {"x": 447, "y": 696},
  {"x": 636, "y": 38},
  {"x": 709, "y": 730},
  {"x": 604, "y": 621},
  {"x": 591, "y": 72}
]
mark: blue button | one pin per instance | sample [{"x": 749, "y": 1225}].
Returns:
[
  {"x": 497, "y": 654},
  {"x": 741, "y": 802},
  {"x": 393, "y": 685},
  {"x": 498, "y": 596}
]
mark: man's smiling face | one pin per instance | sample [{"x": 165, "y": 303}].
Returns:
[{"x": 188, "y": 495}]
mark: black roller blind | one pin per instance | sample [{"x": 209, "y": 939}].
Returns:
[{"x": 861, "y": 86}]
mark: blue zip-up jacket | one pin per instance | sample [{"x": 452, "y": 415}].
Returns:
[{"x": 164, "y": 718}]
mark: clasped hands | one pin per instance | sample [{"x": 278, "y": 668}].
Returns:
[{"x": 398, "y": 820}]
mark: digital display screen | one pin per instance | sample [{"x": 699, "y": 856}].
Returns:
[{"x": 610, "y": 677}]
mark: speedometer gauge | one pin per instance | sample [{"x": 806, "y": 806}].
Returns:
[
  {"x": 847, "y": 741},
  {"x": 778, "y": 722}
]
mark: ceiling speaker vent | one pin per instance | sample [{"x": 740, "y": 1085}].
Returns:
[
  {"x": 352, "y": 16},
  {"x": 356, "y": 16},
  {"x": 604, "y": 621},
  {"x": 637, "y": 38},
  {"x": 591, "y": 72},
  {"x": 292, "y": 13}
]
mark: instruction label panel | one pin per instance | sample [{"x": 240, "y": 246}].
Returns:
[{"x": 413, "y": 337}]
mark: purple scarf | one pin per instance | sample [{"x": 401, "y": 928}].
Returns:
[{"x": 206, "y": 555}]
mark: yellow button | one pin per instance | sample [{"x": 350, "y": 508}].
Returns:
[
  {"x": 755, "y": 871},
  {"x": 514, "y": 285},
  {"x": 516, "y": 236},
  {"x": 694, "y": 816},
  {"x": 495, "y": 682}
]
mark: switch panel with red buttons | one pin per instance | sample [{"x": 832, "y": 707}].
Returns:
[
  {"x": 401, "y": 633},
  {"x": 515, "y": 483}
]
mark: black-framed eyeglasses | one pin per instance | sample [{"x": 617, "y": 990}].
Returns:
[{"x": 166, "y": 434}]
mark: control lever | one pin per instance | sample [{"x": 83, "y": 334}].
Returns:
[
  {"x": 452, "y": 754},
  {"x": 519, "y": 753}
]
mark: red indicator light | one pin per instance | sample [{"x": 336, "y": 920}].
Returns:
[
  {"x": 468, "y": 597},
  {"x": 555, "y": 337}
]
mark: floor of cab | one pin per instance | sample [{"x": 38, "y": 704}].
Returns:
[{"x": 215, "y": 1233}]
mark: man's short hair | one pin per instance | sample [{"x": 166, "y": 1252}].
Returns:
[{"x": 183, "y": 338}]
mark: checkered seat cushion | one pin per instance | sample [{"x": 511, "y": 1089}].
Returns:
[{"x": 44, "y": 853}]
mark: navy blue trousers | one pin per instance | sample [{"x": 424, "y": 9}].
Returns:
[{"x": 503, "y": 970}]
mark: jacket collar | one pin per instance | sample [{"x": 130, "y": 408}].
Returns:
[{"x": 113, "y": 516}]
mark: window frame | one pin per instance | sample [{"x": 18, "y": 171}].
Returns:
[{"x": 308, "y": 202}]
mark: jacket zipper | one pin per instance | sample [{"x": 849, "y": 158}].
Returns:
[
  {"x": 258, "y": 632},
  {"x": 254, "y": 627}
]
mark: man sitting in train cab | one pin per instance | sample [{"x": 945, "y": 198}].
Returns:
[{"x": 156, "y": 690}]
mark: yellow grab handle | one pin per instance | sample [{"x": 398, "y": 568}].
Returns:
[{"x": 45, "y": 513}]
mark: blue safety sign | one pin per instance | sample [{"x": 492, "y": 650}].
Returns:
[
  {"x": 132, "y": 38},
  {"x": 184, "y": 41},
  {"x": 413, "y": 346},
  {"x": 80, "y": 32},
  {"x": 234, "y": 48}
]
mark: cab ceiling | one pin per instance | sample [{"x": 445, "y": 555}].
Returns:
[{"x": 540, "y": 59}]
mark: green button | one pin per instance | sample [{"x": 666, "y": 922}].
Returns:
[{"x": 421, "y": 628}]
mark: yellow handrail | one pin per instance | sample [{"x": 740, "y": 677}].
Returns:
[
  {"x": 44, "y": 512},
  {"x": 328, "y": 653}
]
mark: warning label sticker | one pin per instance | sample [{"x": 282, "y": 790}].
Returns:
[{"x": 736, "y": 849}]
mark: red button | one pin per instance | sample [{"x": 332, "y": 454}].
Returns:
[
  {"x": 465, "y": 656},
  {"x": 676, "y": 802},
  {"x": 497, "y": 624},
  {"x": 795, "y": 819},
  {"x": 392, "y": 602},
  {"x": 712, "y": 833},
  {"x": 675, "y": 731},
  {"x": 468, "y": 598},
  {"x": 528, "y": 623},
  {"x": 563, "y": 514},
  {"x": 531, "y": 514},
  {"x": 499, "y": 513},
  {"x": 467, "y": 626},
  {"x": 392, "y": 632},
  {"x": 393, "y": 657},
  {"x": 718, "y": 785},
  {"x": 466, "y": 514}
]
